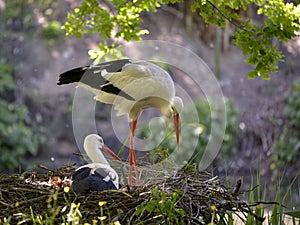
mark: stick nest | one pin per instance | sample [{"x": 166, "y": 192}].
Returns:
[{"x": 199, "y": 197}]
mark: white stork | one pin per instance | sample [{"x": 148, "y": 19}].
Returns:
[
  {"x": 131, "y": 86},
  {"x": 98, "y": 175}
]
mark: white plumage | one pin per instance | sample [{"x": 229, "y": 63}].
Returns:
[
  {"x": 98, "y": 175},
  {"x": 148, "y": 84}
]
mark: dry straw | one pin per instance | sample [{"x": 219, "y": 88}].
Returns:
[{"x": 200, "y": 195}]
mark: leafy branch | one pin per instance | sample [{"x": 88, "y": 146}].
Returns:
[{"x": 118, "y": 21}]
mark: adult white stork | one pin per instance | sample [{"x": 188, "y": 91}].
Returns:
[
  {"x": 98, "y": 175},
  {"x": 131, "y": 86}
]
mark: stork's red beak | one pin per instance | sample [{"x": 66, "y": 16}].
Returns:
[
  {"x": 111, "y": 153},
  {"x": 176, "y": 125}
]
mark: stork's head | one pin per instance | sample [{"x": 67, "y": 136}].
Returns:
[
  {"x": 93, "y": 141},
  {"x": 93, "y": 145},
  {"x": 176, "y": 107}
]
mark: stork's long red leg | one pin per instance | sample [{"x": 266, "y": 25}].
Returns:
[
  {"x": 130, "y": 163},
  {"x": 176, "y": 125},
  {"x": 137, "y": 178},
  {"x": 132, "y": 157}
]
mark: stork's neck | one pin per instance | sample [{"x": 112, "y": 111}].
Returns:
[
  {"x": 151, "y": 101},
  {"x": 94, "y": 153}
]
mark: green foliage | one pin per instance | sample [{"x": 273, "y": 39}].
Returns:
[
  {"x": 163, "y": 206},
  {"x": 5, "y": 221},
  {"x": 229, "y": 145},
  {"x": 52, "y": 213},
  {"x": 286, "y": 148},
  {"x": 69, "y": 213},
  {"x": 194, "y": 134},
  {"x": 265, "y": 56},
  {"x": 17, "y": 137},
  {"x": 121, "y": 22},
  {"x": 17, "y": 14},
  {"x": 122, "y": 19},
  {"x": 256, "y": 41},
  {"x": 292, "y": 108},
  {"x": 52, "y": 30},
  {"x": 6, "y": 80},
  {"x": 254, "y": 196},
  {"x": 284, "y": 202},
  {"x": 91, "y": 17},
  {"x": 275, "y": 211}
]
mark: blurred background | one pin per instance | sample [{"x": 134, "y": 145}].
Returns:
[{"x": 263, "y": 117}]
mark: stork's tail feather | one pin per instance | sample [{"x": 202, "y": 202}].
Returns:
[{"x": 72, "y": 76}]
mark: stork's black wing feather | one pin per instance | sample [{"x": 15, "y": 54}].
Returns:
[
  {"x": 83, "y": 182},
  {"x": 82, "y": 173},
  {"x": 92, "y": 77}
]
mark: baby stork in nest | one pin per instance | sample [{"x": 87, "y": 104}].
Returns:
[{"x": 98, "y": 175}]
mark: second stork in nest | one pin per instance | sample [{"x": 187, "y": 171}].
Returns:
[{"x": 98, "y": 175}]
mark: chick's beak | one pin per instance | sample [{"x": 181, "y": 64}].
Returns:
[
  {"x": 176, "y": 125},
  {"x": 111, "y": 153}
]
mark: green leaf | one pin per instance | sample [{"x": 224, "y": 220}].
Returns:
[
  {"x": 150, "y": 206},
  {"x": 139, "y": 209}
]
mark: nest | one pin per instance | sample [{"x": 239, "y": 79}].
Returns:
[{"x": 188, "y": 197}]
